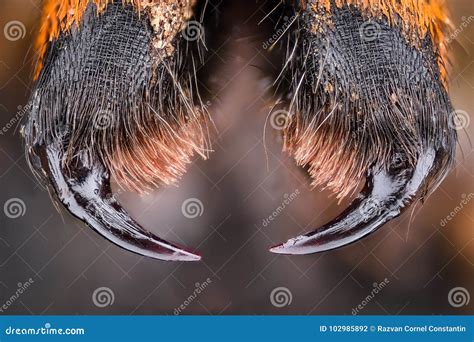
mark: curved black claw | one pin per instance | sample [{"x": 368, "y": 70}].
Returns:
[
  {"x": 383, "y": 198},
  {"x": 86, "y": 193}
]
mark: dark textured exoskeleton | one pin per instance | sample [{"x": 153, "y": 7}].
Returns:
[
  {"x": 114, "y": 100},
  {"x": 117, "y": 98},
  {"x": 367, "y": 101}
]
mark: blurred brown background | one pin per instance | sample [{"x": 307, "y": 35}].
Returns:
[{"x": 420, "y": 260}]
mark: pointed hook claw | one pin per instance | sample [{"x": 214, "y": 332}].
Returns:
[
  {"x": 84, "y": 189},
  {"x": 385, "y": 196}
]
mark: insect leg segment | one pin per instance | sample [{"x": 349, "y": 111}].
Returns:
[
  {"x": 115, "y": 98},
  {"x": 368, "y": 104}
]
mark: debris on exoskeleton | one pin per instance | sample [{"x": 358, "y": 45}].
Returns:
[
  {"x": 116, "y": 96},
  {"x": 368, "y": 101}
]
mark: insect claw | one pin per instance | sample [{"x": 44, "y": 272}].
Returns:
[
  {"x": 84, "y": 189},
  {"x": 386, "y": 194}
]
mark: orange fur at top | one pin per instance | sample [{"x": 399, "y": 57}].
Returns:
[
  {"x": 167, "y": 18},
  {"x": 417, "y": 17},
  {"x": 59, "y": 16},
  {"x": 156, "y": 153}
]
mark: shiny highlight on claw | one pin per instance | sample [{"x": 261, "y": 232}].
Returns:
[
  {"x": 116, "y": 98},
  {"x": 368, "y": 108}
]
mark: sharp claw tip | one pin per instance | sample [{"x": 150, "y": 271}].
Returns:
[
  {"x": 292, "y": 246},
  {"x": 279, "y": 249},
  {"x": 187, "y": 256}
]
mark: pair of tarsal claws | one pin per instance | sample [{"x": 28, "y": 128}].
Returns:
[{"x": 398, "y": 139}]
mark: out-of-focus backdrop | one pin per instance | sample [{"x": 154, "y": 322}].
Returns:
[{"x": 50, "y": 263}]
